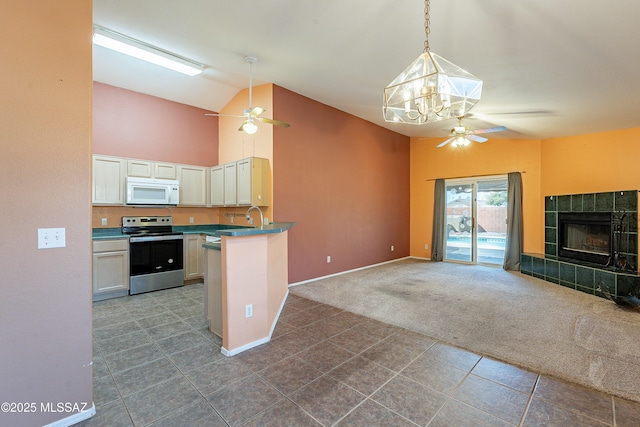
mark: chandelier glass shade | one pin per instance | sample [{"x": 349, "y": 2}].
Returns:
[{"x": 430, "y": 89}]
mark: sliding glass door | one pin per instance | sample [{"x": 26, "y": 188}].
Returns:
[{"x": 476, "y": 215}]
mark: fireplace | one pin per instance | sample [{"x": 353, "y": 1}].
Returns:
[{"x": 586, "y": 236}]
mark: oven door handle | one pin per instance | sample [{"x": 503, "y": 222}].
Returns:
[{"x": 156, "y": 238}]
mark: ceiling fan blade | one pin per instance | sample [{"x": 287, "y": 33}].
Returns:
[
  {"x": 442, "y": 144},
  {"x": 476, "y": 138},
  {"x": 224, "y": 115},
  {"x": 488, "y": 130},
  {"x": 273, "y": 122}
]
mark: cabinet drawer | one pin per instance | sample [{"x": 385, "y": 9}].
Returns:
[{"x": 110, "y": 245}]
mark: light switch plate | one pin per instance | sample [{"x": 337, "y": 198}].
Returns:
[{"x": 51, "y": 238}]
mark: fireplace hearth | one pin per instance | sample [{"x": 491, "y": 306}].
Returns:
[{"x": 591, "y": 245}]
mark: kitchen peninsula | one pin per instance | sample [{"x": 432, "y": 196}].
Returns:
[{"x": 246, "y": 284}]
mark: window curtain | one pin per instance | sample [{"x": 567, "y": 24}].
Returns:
[
  {"x": 437, "y": 236},
  {"x": 513, "y": 247}
]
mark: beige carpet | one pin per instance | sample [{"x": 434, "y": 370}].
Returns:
[{"x": 509, "y": 316}]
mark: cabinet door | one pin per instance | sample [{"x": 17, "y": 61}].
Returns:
[
  {"x": 193, "y": 185},
  {"x": 243, "y": 183},
  {"x": 139, "y": 168},
  {"x": 254, "y": 184},
  {"x": 165, "y": 171},
  {"x": 108, "y": 180},
  {"x": 110, "y": 271},
  {"x": 193, "y": 256},
  {"x": 230, "y": 184},
  {"x": 217, "y": 186}
]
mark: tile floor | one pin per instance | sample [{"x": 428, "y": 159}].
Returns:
[{"x": 156, "y": 364}]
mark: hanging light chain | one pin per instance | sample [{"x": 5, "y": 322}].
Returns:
[{"x": 427, "y": 5}]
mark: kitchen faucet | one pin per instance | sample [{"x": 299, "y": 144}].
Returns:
[{"x": 250, "y": 220}]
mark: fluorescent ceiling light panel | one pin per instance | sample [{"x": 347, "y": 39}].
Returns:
[{"x": 132, "y": 47}]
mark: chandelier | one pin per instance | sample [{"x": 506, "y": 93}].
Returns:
[{"x": 430, "y": 88}]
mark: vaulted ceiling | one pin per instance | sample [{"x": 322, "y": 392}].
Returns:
[{"x": 550, "y": 68}]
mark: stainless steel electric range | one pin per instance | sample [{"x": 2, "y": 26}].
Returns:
[{"x": 155, "y": 253}]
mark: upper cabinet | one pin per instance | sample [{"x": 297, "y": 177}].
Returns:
[
  {"x": 110, "y": 175},
  {"x": 217, "y": 186},
  {"x": 108, "y": 186},
  {"x": 253, "y": 183},
  {"x": 147, "y": 169},
  {"x": 193, "y": 185},
  {"x": 245, "y": 182},
  {"x": 230, "y": 180}
]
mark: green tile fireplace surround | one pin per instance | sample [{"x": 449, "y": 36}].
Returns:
[{"x": 581, "y": 275}]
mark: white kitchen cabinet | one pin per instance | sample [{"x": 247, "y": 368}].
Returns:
[
  {"x": 193, "y": 185},
  {"x": 217, "y": 185},
  {"x": 193, "y": 256},
  {"x": 245, "y": 182},
  {"x": 108, "y": 183},
  {"x": 110, "y": 266},
  {"x": 139, "y": 168},
  {"x": 253, "y": 183},
  {"x": 230, "y": 184},
  {"x": 165, "y": 170},
  {"x": 148, "y": 169}
]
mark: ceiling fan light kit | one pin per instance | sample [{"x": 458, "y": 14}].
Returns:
[
  {"x": 144, "y": 51},
  {"x": 461, "y": 136},
  {"x": 430, "y": 89},
  {"x": 252, "y": 114}
]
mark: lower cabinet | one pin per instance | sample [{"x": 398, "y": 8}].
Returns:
[
  {"x": 110, "y": 267},
  {"x": 193, "y": 256}
]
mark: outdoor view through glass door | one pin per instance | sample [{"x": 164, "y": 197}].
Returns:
[{"x": 476, "y": 218}]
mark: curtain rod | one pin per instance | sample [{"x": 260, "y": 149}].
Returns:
[{"x": 474, "y": 176}]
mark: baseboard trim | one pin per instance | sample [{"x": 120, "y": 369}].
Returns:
[
  {"x": 244, "y": 347},
  {"x": 75, "y": 418},
  {"x": 348, "y": 271}
]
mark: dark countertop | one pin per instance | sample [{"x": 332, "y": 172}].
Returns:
[
  {"x": 273, "y": 228},
  {"x": 209, "y": 229},
  {"x": 108, "y": 234},
  {"x": 206, "y": 229}
]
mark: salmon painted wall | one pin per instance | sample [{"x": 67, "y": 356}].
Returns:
[
  {"x": 236, "y": 145},
  {"x": 499, "y": 156},
  {"x": 344, "y": 181},
  {"x": 45, "y": 170},
  {"x": 139, "y": 126},
  {"x": 135, "y": 125}
]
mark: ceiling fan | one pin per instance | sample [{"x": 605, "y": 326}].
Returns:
[
  {"x": 462, "y": 136},
  {"x": 252, "y": 114}
]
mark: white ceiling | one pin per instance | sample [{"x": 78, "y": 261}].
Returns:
[{"x": 550, "y": 67}]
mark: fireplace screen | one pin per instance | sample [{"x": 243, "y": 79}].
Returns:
[
  {"x": 594, "y": 239},
  {"x": 585, "y": 236}
]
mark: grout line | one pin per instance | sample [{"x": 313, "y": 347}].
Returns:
[{"x": 530, "y": 400}]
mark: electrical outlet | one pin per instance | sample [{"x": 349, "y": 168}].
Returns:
[
  {"x": 51, "y": 238},
  {"x": 248, "y": 310},
  {"x": 266, "y": 221},
  {"x": 104, "y": 221},
  {"x": 328, "y": 258},
  {"x": 426, "y": 246},
  {"x": 392, "y": 248},
  {"x": 191, "y": 220}
]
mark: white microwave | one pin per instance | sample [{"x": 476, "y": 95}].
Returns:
[{"x": 149, "y": 191}]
